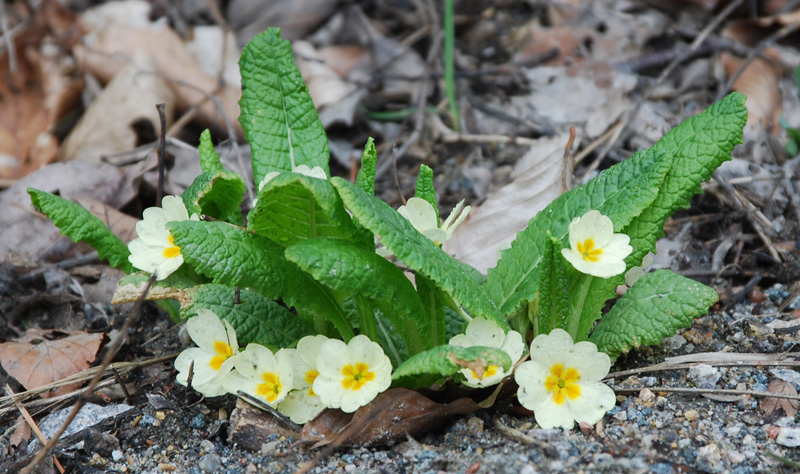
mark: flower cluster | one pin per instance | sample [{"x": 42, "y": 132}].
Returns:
[
  {"x": 594, "y": 247},
  {"x": 154, "y": 249},
  {"x": 320, "y": 373}
]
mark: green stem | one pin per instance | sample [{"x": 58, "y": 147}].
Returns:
[
  {"x": 366, "y": 317},
  {"x": 577, "y": 309},
  {"x": 449, "y": 64}
]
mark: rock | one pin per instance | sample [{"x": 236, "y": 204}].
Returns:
[
  {"x": 789, "y": 437},
  {"x": 704, "y": 376},
  {"x": 250, "y": 427},
  {"x": 210, "y": 463}
]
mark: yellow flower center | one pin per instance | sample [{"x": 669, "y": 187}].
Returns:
[
  {"x": 172, "y": 251},
  {"x": 589, "y": 252},
  {"x": 271, "y": 387},
  {"x": 490, "y": 370},
  {"x": 356, "y": 376},
  {"x": 224, "y": 352},
  {"x": 311, "y": 375},
  {"x": 563, "y": 383}
]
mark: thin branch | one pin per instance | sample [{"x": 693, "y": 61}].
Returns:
[{"x": 713, "y": 391}]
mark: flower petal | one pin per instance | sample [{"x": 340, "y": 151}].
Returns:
[
  {"x": 420, "y": 213},
  {"x": 595, "y": 401}
]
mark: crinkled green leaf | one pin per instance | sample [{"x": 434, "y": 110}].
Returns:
[
  {"x": 366, "y": 174},
  {"x": 255, "y": 317},
  {"x": 232, "y": 256},
  {"x": 455, "y": 278},
  {"x": 293, "y": 207},
  {"x": 653, "y": 308},
  {"x": 425, "y": 189},
  {"x": 554, "y": 291},
  {"x": 216, "y": 194},
  {"x": 357, "y": 271},
  {"x": 209, "y": 159},
  {"x": 277, "y": 115},
  {"x": 81, "y": 225},
  {"x": 449, "y": 360},
  {"x": 695, "y": 148}
]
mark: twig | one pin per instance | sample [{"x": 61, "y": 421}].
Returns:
[
  {"x": 715, "y": 359},
  {"x": 112, "y": 352},
  {"x": 162, "y": 151},
  {"x": 631, "y": 114},
  {"x": 34, "y": 427},
  {"x": 569, "y": 163},
  {"x": 517, "y": 435},
  {"x": 714, "y": 391}
]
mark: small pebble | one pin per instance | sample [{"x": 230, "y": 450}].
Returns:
[
  {"x": 207, "y": 446},
  {"x": 691, "y": 415},
  {"x": 661, "y": 468},
  {"x": 704, "y": 376},
  {"x": 198, "y": 422},
  {"x": 210, "y": 463},
  {"x": 117, "y": 455}
]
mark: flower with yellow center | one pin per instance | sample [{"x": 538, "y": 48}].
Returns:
[
  {"x": 154, "y": 249},
  {"x": 482, "y": 332},
  {"x": 594, "y": 247},
  {"x": 262, "y": 374},
  {"x": 302, "y": 404},
  {"x": 351, "y": 375},
  {"x": 561, "y": 383},
  {"x": 212, "y": 361},
  {"x": 421, "y": 214}
]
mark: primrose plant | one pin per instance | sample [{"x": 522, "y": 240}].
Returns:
[{"x": 294, "y": 306}]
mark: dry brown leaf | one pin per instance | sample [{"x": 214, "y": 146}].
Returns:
[
  {"x": 776, "y": 407},
  {"x": 295, "y": 18},
  {"x": 393, "y": 414},
  {"x": 37, "y": 359},
  {"x": 39, "y": 92},
  {"x": 109, "y": 124},
  {"x": 109, "y": 50},
  {"x": 22, "y": 433},
  {"x": 536, "y": 181},
  {"x": 759, "y": 82}
]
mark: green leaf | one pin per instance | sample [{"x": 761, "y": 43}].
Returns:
[
  {"x": 232, "y": 256},
  {"x": 255, "y": 317},
  {"x": 695, "y": 148},
  {"x": 277, "y": 115},
  {"x": 81, "y": 225},
  {"x": 355, "y": 271},
  {"x": 366, "y": 175},
  {"x": 293, "y": 207},
  {"x": 554, "y": 291},
  {"x": 653, "y": 308},
  {"x": 216, "y": 194},
  {"x": 425, "y": 189},
  {"x": 455, "y": 278},
  {"x": 449, "y": 360},
  {"x": 434, "y": 303},
  {"x": 209, "y": 159}
]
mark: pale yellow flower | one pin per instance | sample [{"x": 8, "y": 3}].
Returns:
[
  {"x": 594, "y": 247},
  {"x": 562, "y": 383},
  {"x": 262, "y": 374},
  {"x": 213, "y": 359},
  {"x": 302, "y": 404},
  {"x": 351, "y": 375},
  {"x": 154, "y": 249}
]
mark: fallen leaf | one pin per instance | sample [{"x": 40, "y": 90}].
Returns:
[
  {"x": 759, "y": 82},
  {"x": 22, "y": 433},
  {"x": 536, "y": 181},
  {"x": 393, "y": 415},
  {"x": 41, "y": 89},
  {"x": 109, "y": 126},
  {"x": 774, "y": 408},
  {"x": 534, "y": 40},
  {"x": 38, "y": 359}
]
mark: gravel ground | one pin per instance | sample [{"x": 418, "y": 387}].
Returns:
[{"x": 650, "y": 430}]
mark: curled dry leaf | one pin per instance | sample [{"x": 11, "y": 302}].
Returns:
[
  {"x": 759, "y": 82},
  {"x": 38, "y": 358},
  {"x": 393, "y": 414}
]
